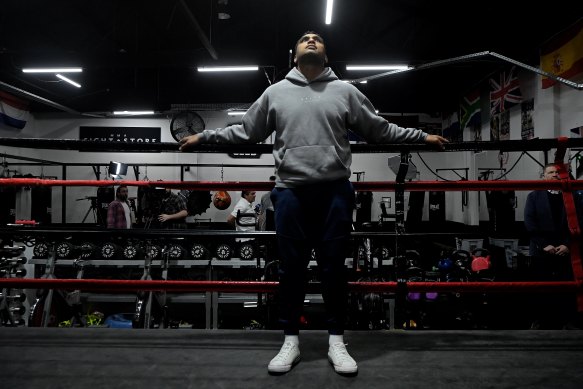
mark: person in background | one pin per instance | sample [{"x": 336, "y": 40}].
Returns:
[
  {"x": 243, "y": 207},
  {"x": 545, "y": 219},
  {"x": 173, "y": 211},
  {"x": 265, "y": 219},
  {"x": 311, "y": 112},
  {"x": 119, "y": 212}
]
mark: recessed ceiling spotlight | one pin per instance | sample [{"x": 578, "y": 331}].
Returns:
[{"x": 223, "y": 16}]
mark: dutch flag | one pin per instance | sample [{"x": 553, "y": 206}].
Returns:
[{"x": 13, "y": 111}]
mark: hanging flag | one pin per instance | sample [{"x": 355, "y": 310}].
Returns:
[
  {"x": 504, "y": 133},
  {"x": 526, "y": 119},
  {"x": 13, "y": 111},
  {"x": 504, "y": 91},
  {"x": 470, "y": 110},
  {"x": 563, "y": 55},
  {"x": 451, "y": 127},
  {"x": 495, "y": 127}
]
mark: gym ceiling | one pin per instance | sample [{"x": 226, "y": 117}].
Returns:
[{"x": 140, "y": 55}]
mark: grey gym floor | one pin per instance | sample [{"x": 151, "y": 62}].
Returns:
[{"x": 183, "y": 358}]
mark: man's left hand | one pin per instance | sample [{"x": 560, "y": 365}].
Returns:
[
  {"x": 436, "y": 140},
  {"x": 562, "y": 250}
]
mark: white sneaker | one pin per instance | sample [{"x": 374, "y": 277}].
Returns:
[
  {"x": 287, "y": 357},
  {"x": 341, "y": 360}
]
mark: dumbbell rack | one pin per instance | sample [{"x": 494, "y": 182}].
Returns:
[{"x": 12, "y": 300}]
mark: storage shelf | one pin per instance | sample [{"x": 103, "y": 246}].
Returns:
[{"x": 121, "y": 263}]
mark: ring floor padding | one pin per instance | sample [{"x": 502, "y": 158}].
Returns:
[{"x": 185, "y": 358}]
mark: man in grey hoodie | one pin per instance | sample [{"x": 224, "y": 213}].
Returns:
[{"x": 311, "y": 111}]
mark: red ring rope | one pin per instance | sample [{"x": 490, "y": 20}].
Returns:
[
  {"x": 257, "y": 286},
  {"x": 379, "y": 186}
]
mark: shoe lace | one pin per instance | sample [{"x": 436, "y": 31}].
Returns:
[
  {"x": 285, "y": 351},
  {"x": 340, "y": 352}
]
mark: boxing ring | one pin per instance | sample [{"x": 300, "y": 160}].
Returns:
[
  {"x": 65, "y": 358},
  {"x": 56, "y": 357}
]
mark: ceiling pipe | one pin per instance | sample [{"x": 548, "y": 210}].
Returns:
[
  {"x": 42, "y": 100},
  {"x": 468, "y": 57},
  {"x": 199, "y": 32}
]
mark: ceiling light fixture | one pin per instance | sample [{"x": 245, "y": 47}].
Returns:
[
  {"x": 227, "y": 68},
  {"x": 352, "y": 81},
  {"x": 117, "y": 169},
  {"x": 377, "y": 67},
  {"x": 68, "y": 80},
  {"x": 236, "y": 113},
  {"x": 128, "y": 113},
  {"x": 329, "y": 6},
  {"x": 52, "y": 70}
]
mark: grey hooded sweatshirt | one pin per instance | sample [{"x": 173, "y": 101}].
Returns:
[{"x": 311, "y": 122}]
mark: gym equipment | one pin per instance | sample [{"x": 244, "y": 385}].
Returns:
[
  {"x": 197, "y": 202},
  {"x": 222, "y": 200},
  {"x": 186, "y": 123},
  {"x": 247, "y": 251},
  {"x": 223, "y": 251},
  {"x": 480, "y": 260},
  {"x": 198, "y": 251}
]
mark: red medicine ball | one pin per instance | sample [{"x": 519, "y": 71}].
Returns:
[{"x": 221, "y": 200}]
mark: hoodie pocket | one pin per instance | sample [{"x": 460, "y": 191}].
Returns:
[{"x": 312, "y": 163}]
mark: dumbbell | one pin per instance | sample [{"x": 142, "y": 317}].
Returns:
[
  {"x": 198, "y": 251},
  {"x": 18, "y": 273},
  {"x": 14, "y": 261}
]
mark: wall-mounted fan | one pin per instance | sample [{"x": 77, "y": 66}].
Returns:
[{"x": 186, "y": 123}]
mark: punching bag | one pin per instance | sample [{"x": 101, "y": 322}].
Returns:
[
  {"x": 501, "y": 210},
  {"x": 415, "y": 211},
  {"x": 222, "y": 200},
  {"x": 7, "y": 205},
  {"x": 105, "y": 195},
  {"x": 437, "y": 207},
  {"x": 363, "y": 208},
  {"x": 41, "y": 204}
]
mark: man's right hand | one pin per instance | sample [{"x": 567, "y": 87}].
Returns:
[{"x": 188, "y": 142}]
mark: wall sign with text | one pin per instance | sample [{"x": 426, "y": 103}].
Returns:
[{"x": 121, "y": 134}]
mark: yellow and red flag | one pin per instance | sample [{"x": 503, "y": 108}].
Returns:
[{"x": 563, "y": 54}]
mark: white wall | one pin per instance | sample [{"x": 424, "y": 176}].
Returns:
[{"x": 60, "y": 126}]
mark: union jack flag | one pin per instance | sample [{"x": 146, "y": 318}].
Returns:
[{"x": 504, "y": 91}]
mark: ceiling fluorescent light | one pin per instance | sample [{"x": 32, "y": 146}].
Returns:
[
  {"x": 227, "y": 68},
  {"x": 377, "y": 67},
  {"x": 352, "y": 81},
  {"x": 236, "y": 113},
  {"x": 52, "y": 70},
  {"x": 133, "y": 112},
  {"x": 68, "y": 80},
  {"x": 329, "y": 6}
]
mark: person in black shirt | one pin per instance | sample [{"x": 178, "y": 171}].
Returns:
[
  {"x": 173, "y": 211},
  {"x": 545, "y": 220}
]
